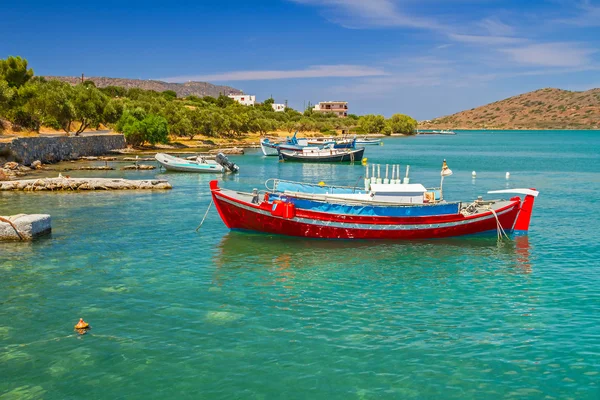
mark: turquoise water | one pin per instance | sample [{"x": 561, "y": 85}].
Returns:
[{"x": 219, "y": 314}]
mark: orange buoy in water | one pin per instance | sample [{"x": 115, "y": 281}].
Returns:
[{"x": 82, "y": 324}]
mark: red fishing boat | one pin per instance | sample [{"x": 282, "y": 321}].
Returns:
[{"x": 384, "y": 211}]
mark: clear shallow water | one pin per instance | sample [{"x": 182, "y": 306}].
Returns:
[{"x": 221, "y": 314}]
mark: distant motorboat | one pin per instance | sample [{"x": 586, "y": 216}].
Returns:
[
  {"x": 200, "y": 164},
  {"x": 442, "y": 132},
  {"x": 367, "y": 142}
]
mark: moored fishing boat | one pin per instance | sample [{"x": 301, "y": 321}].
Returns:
[
  {"x": 384, "y": 211},
  {"x": 200, "y": 164},
  {"x": 345, "y": 144},
  {"x": 291, "y": 144},
  {"x": 268, "y": 148},
  {"x": 328, "y": 154},
  {"x": 320, "y": 141}
]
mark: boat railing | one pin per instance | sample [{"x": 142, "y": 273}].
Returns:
[
  {"x": 359, "y": 202},
  {"x": 323, "y": 189}
]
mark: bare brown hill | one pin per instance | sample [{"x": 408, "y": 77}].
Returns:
[
  {"x": 182, "y": 89},
  {"x": 541, "y": 109}
]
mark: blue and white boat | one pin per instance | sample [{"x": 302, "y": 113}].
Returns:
[{"x": 291, "y": 144}]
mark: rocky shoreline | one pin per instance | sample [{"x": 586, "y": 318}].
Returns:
[{"x": 82, "y": 184}]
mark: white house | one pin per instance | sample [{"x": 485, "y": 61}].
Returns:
[
  {"x": 339, "y": 108},
  {"x": 244, "y": 99},
  {"x": 278, "y": 107}
]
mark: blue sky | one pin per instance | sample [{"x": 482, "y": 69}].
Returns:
[{"x": 425, "y": 58}]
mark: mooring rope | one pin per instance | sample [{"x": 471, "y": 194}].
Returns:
[
  {"x": 205, "y": 214},
  {"x": 499, "y": 229}
]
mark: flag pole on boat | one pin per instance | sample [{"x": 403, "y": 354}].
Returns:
[{"x": 445, "y": 172}]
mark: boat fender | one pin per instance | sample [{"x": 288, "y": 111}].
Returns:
[
  {"x": 277, "y": 209},
  {"x": 289, "y": 210}
]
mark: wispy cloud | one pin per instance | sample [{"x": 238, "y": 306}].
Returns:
[
  {"x": 559, "y": 54},
  {"x": 315, "y": 71},
  {"x": 485, "y": 40},
  {"x": 587, "y": 15},
  {"x": 369, "y": 13},
  {"x": 495, "y": 27}
]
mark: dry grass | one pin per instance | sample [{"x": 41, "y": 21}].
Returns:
[{"x": 542, "y": 109}]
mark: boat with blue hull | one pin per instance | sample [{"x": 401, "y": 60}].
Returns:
[{"x": 325, "y": 155}]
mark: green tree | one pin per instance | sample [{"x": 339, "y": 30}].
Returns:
[
  {"x": 114, "y": 91},
  {"x": 48, "y": 104},
  {"x": 400, "y": 123},
  {"x": 113, "y": 111},
  {"x": 372, "y": 123},
  {"x": 6, "y": 95},
  {"x": 267, "y": 105},
  {"x": 169, "y": 95},
  {"x": 155, "y": 129},
  {"x": 89, "y": 104},
  {"x": 14, "y": 71},
  {"x": 183, "y": 127},
  {"x": 139, "y": 127}
]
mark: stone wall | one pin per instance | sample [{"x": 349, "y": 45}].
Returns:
[{"x": 54, "y": 149}]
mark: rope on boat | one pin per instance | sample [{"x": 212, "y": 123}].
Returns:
[
  {"x": 205, "y": 214},
  {"x": 499, "y": 229}
]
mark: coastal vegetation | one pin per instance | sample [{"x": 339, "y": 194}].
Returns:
[
  {"x": 541, "y": 109},
  {"x": 29, "y": 103}
]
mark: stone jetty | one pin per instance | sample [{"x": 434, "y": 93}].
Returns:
[
  {"x": 139, "y": 167},
  {"x": 74, "y": 184},
  {"x": 228, "y": 151},
  {"x": 24, "y": 226}
]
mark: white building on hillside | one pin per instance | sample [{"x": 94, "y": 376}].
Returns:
[
  {"x": 244, "y": 99},
  {"x": 339, "y": 108},
  {"x": 278, "y": 107}
]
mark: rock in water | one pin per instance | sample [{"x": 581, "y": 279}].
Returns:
[{"x": 27, "y": 226}]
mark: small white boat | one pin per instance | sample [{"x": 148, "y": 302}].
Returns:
[
  {"x": 366, "y": 141},
  {"x": 200, "y": 164}
]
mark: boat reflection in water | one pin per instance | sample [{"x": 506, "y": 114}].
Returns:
[
  {"x": 287, "y": 257},
  {"x": 522, "y": 250}
]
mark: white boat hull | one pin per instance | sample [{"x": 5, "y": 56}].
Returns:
[
  {"x": 268, "y": 150},
  {"x": 182, "y": 165},
  {"x": 368, "y": 142}
]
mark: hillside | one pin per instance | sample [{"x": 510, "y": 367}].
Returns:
[
  {"x": 541, "y": 109},
  {"x": 182, "y": 89}
]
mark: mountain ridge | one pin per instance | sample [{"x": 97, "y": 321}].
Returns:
[
  {"x": 547, "y": 108},
  {"x": 191, "y": 88}
]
